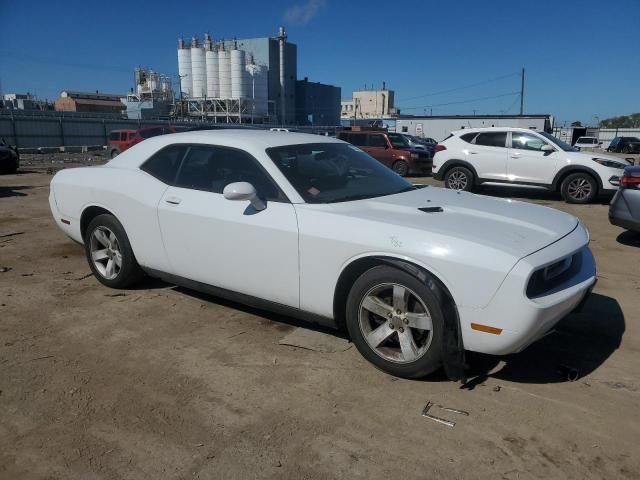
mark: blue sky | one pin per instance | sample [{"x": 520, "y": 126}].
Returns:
[{"x": 581, "y": 56}]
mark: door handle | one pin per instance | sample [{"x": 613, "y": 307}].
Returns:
[
  {"x": 173, "y": 200},
  {"x": 515, "y": 155},
  {"x": 472, "y": 153}
]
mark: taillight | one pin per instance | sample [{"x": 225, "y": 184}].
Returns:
[
  {"x": 630, "y": 182},
  {"x": 440, "y": 148}
]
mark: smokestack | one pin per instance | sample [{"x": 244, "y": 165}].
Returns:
[{"x": 282, "y": 37}]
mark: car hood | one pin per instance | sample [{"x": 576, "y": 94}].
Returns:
[{"x": 507, "y": 225}]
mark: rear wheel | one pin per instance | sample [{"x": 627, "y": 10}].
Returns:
[
  {"x": 109, "y": 253},
  {"x": 401, "y": 168},
  {"x": 396, "y": 322},
  {"x": 579, "y": 188},
  {"x": 114, "y": 153},
  {"x": 626, "y": 149},
  {"x": 459, "y": 178}
]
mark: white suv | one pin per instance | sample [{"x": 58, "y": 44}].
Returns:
[{"x": 522, "y": 157}]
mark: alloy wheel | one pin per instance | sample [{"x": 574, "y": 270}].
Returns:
[
  {"x": 105, "y": 252},
  {"x": 457, "y": 181},
  {"x": 395, "y": 323},
  {"x": 579, "y": 188}
]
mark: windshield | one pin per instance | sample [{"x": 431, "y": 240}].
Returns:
[
  {"x": 397, "y": 140},
  {"x": 564, "y": 146},
  {"x": 335, "y": 172}
]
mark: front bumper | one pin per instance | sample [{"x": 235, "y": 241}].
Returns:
[{"x": 523, "y": 320}]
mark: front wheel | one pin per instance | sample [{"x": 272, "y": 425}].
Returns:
[
  {"x": 396, "y": 322},
  {"x": 579, "y": 188},
  {"x": 109, "y": 253}
]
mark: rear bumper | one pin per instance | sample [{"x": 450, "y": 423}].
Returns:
[
  {"x": 523, "y": 320},
  {"x": 619, "y": 212},
  {"x": 421, "y": 166}
]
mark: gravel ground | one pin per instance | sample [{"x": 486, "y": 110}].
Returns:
[{"x": 161, "y": 382}]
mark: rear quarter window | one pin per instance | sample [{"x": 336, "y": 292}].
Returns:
[
  {"x": 467, "y": 137},
  {"x": 164, "y": 163},
  {"x": 114, "y": 136}
]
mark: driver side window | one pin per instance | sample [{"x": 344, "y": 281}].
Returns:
[
  {"x": 213, "y": 168},
  {"x": 525, "y": 141}
]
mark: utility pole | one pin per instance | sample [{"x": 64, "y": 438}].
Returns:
[{"x": 522, "y": 93}]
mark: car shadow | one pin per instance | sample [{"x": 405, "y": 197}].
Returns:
[
  {"x": 580, "y": 344},
  {"x": 13, "y": 191},
  {"x": 532, "y": 194},
  {"x": 629, "y": 238},
  {"x": 270, "y": 316}
]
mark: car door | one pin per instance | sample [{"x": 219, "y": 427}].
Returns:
[
  {"x": 227, "y": 243},
  {"x": 488, "y": 155},
  {"x": 378, "y": 147},
  {"x": 528, "y": 163}
]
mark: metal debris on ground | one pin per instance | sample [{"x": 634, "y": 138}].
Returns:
[
  {"x": 443, "y": 421},
  {"x": 496, "y": 388},
  {"x": 4, "y": 269},
  {"x": 568, "y": 372}
]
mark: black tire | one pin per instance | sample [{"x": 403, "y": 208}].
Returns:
[
  {"x": 626, "y": 149},
  {"x": 129, "y": 272},
  {"x": 459, "y": 178},
  {"x": 379, "y": 277},
  {"x": 114, "y": 153},
  {"x": 401, "y": 167},
  {"x": 579, "y": 188}
]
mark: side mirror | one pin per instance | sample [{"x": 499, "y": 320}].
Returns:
[
  {"x": 243, "y": 191},
  {"x": 547, "y": 149}
]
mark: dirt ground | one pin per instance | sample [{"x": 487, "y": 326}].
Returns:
[{"x": 165, "y": 383}]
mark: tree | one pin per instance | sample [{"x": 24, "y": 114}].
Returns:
[{"x": 576, "y": 124}]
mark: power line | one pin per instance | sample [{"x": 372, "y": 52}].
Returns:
[
  {"x": 462, "y": 101},
  {"x": 484, "y": 82}
]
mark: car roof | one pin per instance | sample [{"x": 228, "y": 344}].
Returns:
[
  {"x": 252, "y": 141},
  {"x": 492, "y": 129}
]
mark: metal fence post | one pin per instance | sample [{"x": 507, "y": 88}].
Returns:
[
  {"x": 104, "y": 129},
  {"x": 61, "y": 131},
  {"x": 13, "y": 130}
]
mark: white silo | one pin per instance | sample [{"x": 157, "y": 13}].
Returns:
[
  {"x": 224, "y": 72},
  {"x": 198, "y": 70},
  {"x": 213, "y": 82},
  {"x": 184, "y": 68},
  {"x": 238, "y": 89}
]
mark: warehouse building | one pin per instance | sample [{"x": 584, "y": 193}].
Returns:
[
  {"x": 369, "y": 104},
  {"x": 317, "y": 104},
  {"x": 70, "y": 101}
]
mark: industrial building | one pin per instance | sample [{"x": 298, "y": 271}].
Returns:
[
  {"x": 89, "y": 102},
  {"x": 369, "y": 104},
  {"x": 152, "y": 96},
  {"x": 439, "y": 127},
  {"x": 239, "y": 80},
  {"x": 317, "y": 104}
]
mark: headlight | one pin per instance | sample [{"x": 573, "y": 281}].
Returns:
[{"x": 609, "y": 163}]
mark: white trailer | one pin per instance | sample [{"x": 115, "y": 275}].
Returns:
[{"x": 439, "y": 127}]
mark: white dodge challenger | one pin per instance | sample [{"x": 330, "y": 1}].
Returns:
[{"x": 313, "y": 227}]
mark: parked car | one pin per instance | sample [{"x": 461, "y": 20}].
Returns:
[
  {"x": 587, "y": 142},
  {"x": 624, "y": 145},
  {"x": 429, "y": 147},
  {"x": 522, "y": 157},
  {"x": 391, "y": 149},
  {"x": 9, "y": 158},
  {"x": 413, "y": 142},
  {"x": 121, "y": 140},
  {"x": 312, "y": 227},
  {"x": 624, "y": 210}
]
